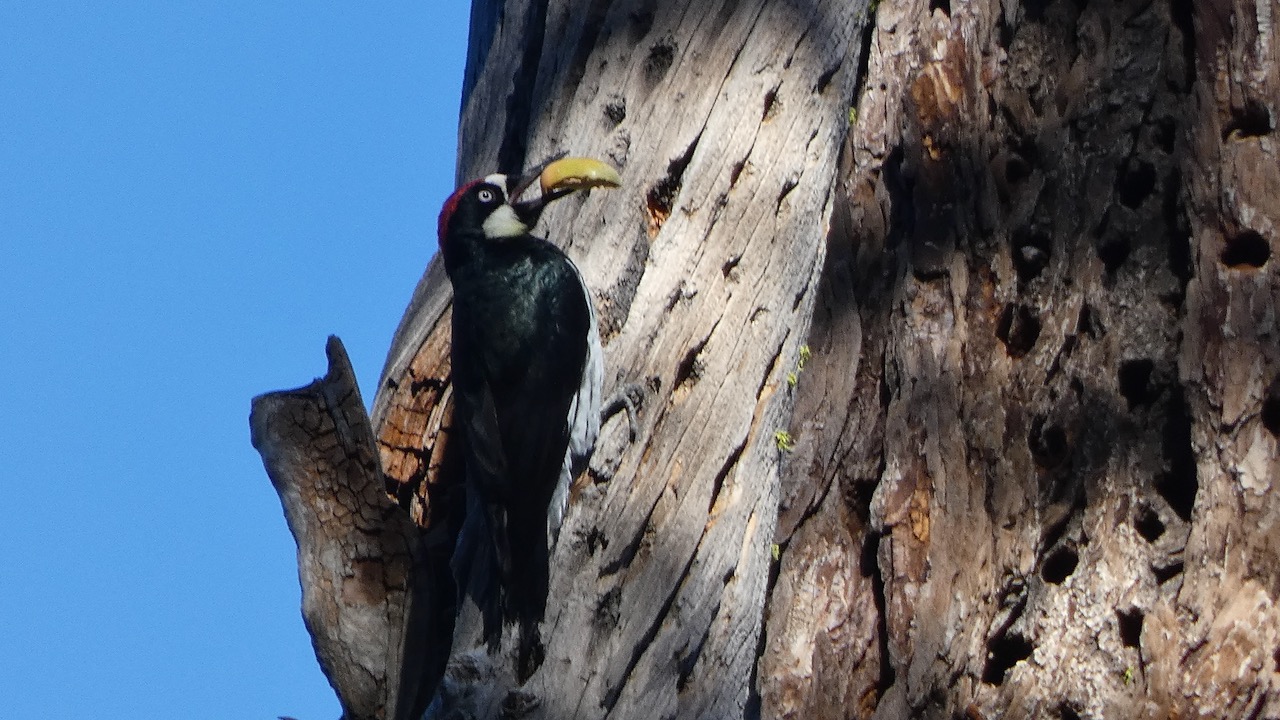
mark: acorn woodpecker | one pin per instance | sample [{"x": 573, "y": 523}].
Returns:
[{"x": 527, "y": 376}]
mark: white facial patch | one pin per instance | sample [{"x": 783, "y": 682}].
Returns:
[
  {"x": 500, "y": 180},
  {"x": 503, "y": 222}
]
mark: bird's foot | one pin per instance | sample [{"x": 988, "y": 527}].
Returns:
[
  {"x": 628, "y": 398},
  {"x": 519, "y": 703}
]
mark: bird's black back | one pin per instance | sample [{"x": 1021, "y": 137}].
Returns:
[{"x": 520, "y": 328}]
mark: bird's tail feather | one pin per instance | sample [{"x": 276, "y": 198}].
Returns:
[
  {"x": 525, "y": 587},
  {"x": 477, "y": 571}
]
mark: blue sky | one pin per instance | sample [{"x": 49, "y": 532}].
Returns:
[{"x": 193, "y": 195}]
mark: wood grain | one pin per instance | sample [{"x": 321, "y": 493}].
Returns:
[
  {"x": 1025, "y": 468},
  {"x": 359, "y": 556}
]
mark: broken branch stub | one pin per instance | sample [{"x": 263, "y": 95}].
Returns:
[{"x": 363, "y": 595}]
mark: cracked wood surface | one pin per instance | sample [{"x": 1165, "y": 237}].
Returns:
[
  {"x": 1033, "y": 448},
  {"x": 1044, "y": 357},
  {"x": 726, "y": 121},
  {"x": 359, "y": 556},
  {"x": 1214, "y": 642}
]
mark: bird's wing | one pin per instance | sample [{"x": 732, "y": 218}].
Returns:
[
  {"x": 584, "y": 412},
  {"x": 584, "y": 418},
  {"x": 477, "y": 413},
  {"x": 482, "y": 558}
]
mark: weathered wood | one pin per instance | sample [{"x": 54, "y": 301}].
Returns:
[
  {"x": 1217, "y": 637},
  {"x": 1026, "y": 470},
  {"x": 726, "y": 121},
  {"x": 358, "y": 553},
  {"x": 1058, "y": 436}
]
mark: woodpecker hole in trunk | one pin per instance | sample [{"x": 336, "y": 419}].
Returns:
[
  {"x": 1032, "y": 250},
  {"x": 1179, "y": 485},
  {"x": 1018, "y": 328},
  {"x": 1066, "y": 712},
  {"x": 1135, "y": 383},
  {"x": 1135, "y": 183},
  {"x": 1251, "y": 120},
  {"x": 1129, "y": 623},
  {"x": 1048, "y": 445},
  {"x": 661, "y": 55},
  {"x": 1148, "y": 524},
  {"x": 615, "y": 110},
  {"x": 1059, "y": 565},
  {"x": 1247, "y": 249},
  {"x": 1165, "y": 573},
  {"x": 770, "y": 105},
  {"x": 1271, "y": 409},
  {"x": 1003, "y": 652}
]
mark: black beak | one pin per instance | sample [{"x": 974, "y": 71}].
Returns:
[{"x": 530, "y": 210}]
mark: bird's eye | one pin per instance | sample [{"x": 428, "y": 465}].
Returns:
[{"x": 485, "y": 195}]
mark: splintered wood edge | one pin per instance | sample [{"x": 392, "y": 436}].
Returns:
[
  {"x": 413, "y": 414},
  {"x": 359, "y": 554}
]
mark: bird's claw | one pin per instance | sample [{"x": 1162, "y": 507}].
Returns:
[
  {"x": 628, "y": 398},
  {"x": 519, "y": 703}
]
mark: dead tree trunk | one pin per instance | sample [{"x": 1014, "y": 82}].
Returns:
[
  {"x": 967, "y": 408},
  {"x": 1040, "y": 387}
]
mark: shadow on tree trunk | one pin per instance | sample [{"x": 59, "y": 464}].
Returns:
[{"x": 964, "y": 409}]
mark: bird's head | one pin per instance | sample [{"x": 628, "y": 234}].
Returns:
[{"x": 493, "y": 204}]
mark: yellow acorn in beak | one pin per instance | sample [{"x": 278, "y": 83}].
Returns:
[
  {"x": 576, "y": 173},
  {"x": 559, "y": 178}
]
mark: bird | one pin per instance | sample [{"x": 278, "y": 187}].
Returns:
[{"x": 527, "y": 374}]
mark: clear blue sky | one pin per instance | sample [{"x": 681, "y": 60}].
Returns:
[{"x": 193, "y": 195}]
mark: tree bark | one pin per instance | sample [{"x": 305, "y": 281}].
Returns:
[
  {"x": 364, "y": 596},
  {"x": 967, "y": 408},
  {"x": 1054, "y": 309},
  {"x": 726, "y": 121}
]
